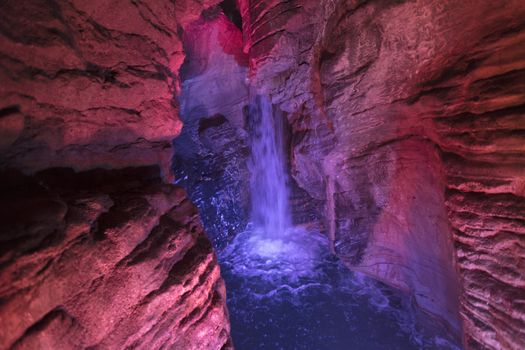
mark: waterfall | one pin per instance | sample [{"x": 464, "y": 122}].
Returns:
[
  {"x": 269, "y": 194},
  {"x": 285, "y": 289}
]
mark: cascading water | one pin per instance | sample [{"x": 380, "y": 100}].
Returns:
[
  {"x": 270, "y": 211},
  {"x": 287, "y": 291}
]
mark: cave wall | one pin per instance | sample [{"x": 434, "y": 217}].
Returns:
[
  {"x": 98, "y": 249},
  {"x": 106, "y": 259},
  {"x": 211, "y": 152},
  {"x": 407, "y": 122},
  {"x": 92, "y": 81},
  {"x": 406, "y": 128}
]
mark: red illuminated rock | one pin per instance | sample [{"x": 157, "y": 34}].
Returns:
[
  {"x": 92, "y": 258},
  {"x": 91, "y": 80},
  {"x": 407, "y": 123},
  {"x": 106, "y": 259}
]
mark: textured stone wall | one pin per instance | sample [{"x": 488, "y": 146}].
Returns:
[
  {"x": 106, "y": 259},
  {"x": 90, "y": 84},
  {"x": 97, "y": 249},
  {"x": 407, "y": 121},
  {"x": 482, "y": 136},
  {"x": 407, "y": 127}
]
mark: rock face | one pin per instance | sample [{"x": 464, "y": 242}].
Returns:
[
  {"x": 482, "y": 136},
  {"x": 90, "y": 80},
  {"x": 97, "y": 249},
  {"x": 106, "y": 259},
  {"x": 211, "y": 152},
  {"x": 407, "y": 123},
  {"x": 406, "y": 137}
]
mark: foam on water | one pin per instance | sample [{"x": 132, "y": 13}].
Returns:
[
  {"x": 287, "y": 291},
  {"x": 293, "y": 294},
  {"x": 291, "y": 257}
]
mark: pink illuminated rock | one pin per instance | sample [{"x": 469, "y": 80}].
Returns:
[
  {"x": 407, "y": 126},
  {"x": 108, "y": 260},
  {"x": 94, "y": 80},
  {"x": 92, "y": 258}
]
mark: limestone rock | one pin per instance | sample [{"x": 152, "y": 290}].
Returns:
[
  {"x": 91, "y": 80},
  {"x": 97, "y": 249}
]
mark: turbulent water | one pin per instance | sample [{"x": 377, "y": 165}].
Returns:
[
  {"x": 291, "y": 293},
  {"x": 285, "y": 289},
  {"x": 269, "y": 195}
]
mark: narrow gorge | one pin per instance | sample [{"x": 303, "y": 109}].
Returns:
[{"x": 205, "y": 174}]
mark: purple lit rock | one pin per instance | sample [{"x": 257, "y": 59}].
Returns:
[{"x": 406, "y": 122}]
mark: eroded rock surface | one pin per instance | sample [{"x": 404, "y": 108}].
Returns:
[
  {"x": 106, "y": 259},
  {"x": 92, "y": 258},
  {"x": 407, "y": 121},
  {"x": 90, "y": 80}
]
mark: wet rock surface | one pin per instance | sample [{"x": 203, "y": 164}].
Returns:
[{"x": 211, "y": 153}]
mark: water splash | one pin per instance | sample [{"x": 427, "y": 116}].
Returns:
[
  {"x": 293, "y": 294},
  {"x": 270, "y": 208},
  {"x": 285, "y": 288},
  {"x": 274, "y": 261}
]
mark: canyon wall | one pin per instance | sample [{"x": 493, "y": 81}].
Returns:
[
  {"x": 98, "y": 249},
  {"x": 407, "y": 123},
  {"x": 406, "y": 137}
]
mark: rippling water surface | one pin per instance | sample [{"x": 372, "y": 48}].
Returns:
[
  {"x": 286, "y": 291},
  {"x": 290, "y": 293}
]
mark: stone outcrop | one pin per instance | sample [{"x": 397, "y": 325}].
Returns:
[
  {"x": 90, "y": 80},
  {"x": 106, "y": 259},
  {"x": 482, "y": 136},
  {"x": 97, "y": 249},
  {"x": 407, "y": 122}
]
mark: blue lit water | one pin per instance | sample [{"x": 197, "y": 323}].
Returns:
[
  {"x": 293, "y": 294},
  {"x": 269, "y": 194},
  {"x": 286, "y": 291}
]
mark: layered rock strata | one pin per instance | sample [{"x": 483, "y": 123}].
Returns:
[
  {"x": 407, "y": 122},
  {"x": 106, "y": 259},
  {"x": 90, "y": 84},
  {"x": 98, "y": 250}
]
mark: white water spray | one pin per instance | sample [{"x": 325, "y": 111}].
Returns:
[
  {"x": 270, "y": 209},
  {"x": 285, "y": 290},
  {"x": 271, "y": 248}
]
